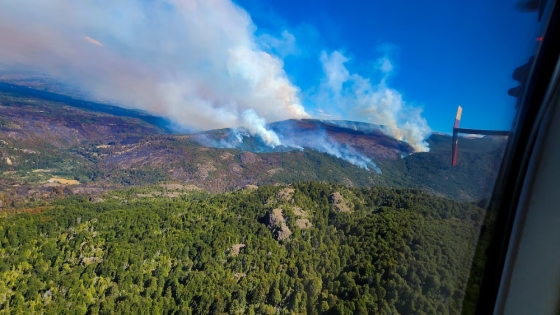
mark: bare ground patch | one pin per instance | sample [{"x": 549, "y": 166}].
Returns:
[
  {"x": 303, "y": 224},
  {"x": 63, "y": 181},
  {"x": 274, "y": 171},
  {"x": 226, "y": 156},
  {"x": 236, "y": 248},
  {"x": 286, "y": 194},
  {"x": 300, "y": 212}
]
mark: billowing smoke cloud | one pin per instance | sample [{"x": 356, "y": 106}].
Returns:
[
  {"x": 378, "y": 103},
  {"x": 257, "y": 125},
  {"x": 196, "y": 62}
]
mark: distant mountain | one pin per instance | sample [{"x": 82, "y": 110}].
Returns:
[
  {"x": 363, "y": 138},
  {"x": 46, "y": 136},
  {"x": 27, "y": 95},
  {"x": 473, "y": 177},
  {"x": 40, "y": 82}
]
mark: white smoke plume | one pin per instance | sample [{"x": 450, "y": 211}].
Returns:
[
  {"x": 288, "y": 140},
  {"x": 376, "y": 103},
  {"x": 195, "y": 62},
  {"x": 292, "y": 136},
  {"x": 323, "y": 143},
  {"x": 257, "y": 125}
]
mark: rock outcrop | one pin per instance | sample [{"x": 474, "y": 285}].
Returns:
[
  {"x": 277, "y": 223},
  {"x": 302, "y": 216},
  {"x": 338, "y": 202}
]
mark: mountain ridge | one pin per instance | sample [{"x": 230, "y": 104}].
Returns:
[{"x": 44, "y": 139}]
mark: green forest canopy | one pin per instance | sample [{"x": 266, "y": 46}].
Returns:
[{"x": 372, "y": 251}]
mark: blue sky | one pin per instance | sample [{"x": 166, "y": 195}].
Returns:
[
  {"x": 445, "y": 54},
  {"x": 216, "y": 64}
]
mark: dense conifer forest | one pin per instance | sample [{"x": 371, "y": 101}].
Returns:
[{"x": 307, "y": 248}]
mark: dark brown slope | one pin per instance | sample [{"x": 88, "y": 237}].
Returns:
[{"x": 44, "y": 136}]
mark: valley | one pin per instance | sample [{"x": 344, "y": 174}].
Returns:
[{"x": 344, "y": 220}]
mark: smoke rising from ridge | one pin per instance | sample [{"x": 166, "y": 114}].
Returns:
[
  {"x": 290, "y": 138},
  {"x": 321, "y": 142},
  {"x": 378, "y": 103},
  {"x": 196, "y": 62}
]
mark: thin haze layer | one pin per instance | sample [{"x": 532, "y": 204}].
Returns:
[{"x": 196, "y": 62}]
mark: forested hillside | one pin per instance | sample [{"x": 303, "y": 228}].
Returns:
[
  {"x": 472, "y": 178},
  {"x": 311, "y": 248}
]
